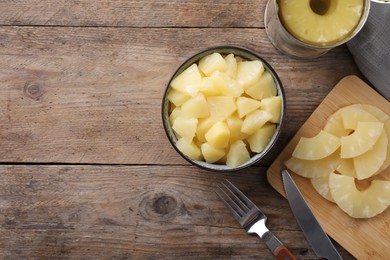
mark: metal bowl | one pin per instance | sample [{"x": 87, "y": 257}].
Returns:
[{"x": 223, "y": 50}]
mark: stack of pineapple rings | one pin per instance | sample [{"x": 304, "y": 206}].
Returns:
[
  {"x": 224, "y": 108},
  {"x": 352, "y": 150}
]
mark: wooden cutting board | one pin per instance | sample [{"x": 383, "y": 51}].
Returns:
[{"x": 363, "y": 238}]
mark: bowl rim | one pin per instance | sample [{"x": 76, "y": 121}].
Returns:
[{"x": 224, "y": 49}]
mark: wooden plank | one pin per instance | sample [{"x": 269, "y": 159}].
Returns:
[
  {"x": 134, "y": 212},
  {"x": 134, "y": 13},
  {"x": 93, "y": 95}
]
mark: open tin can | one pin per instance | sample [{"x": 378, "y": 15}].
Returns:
[{"x": 286, "y": 43}]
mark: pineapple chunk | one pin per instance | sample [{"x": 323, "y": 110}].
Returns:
[
  {"x": 208, "y": 87},
  {"x": 189, "y": 81},
  {"x": 196, "y": 107},
  {"x": 211, "y": 63},
  {"x": 177, "y": 98},
  {"x": 260, "y": 139},
  {"x": 317, "y": 147},
  {"x": 185, "y": 127},
  {"x": 359, "y": 204},
  {"x": 218, "y": 135},
  {"x": 273, "y": 105},
  {"x": 248, "y": 72},
  {"x": 235, "y": 123},
  {"x": 237, "y": 154},
  {"x": 321, "y": 185},
  {"x": 263, "y": 88},
  {"x": 246, "y": 105},
  {"x": 190, "y": 149},
  {"x": 176, "y": 112},
  {"x": 204, "y": 125},
  {"x": 231, "y": 66},
  {"x": 360, "y": 141},
  {"x": 211, "y": 154},
  {"x": 221, "y": 107},
  {"x": 371, "y": 161},
  {"x": 254, "y": 121},
  {"x": 314, "y": 168},
  {"x": 226, "y": 85}
]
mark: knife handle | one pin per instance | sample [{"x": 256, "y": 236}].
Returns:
[{"x": 278, "y": 249}]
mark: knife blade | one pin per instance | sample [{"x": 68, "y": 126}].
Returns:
[{"x": 310, "y": 226}]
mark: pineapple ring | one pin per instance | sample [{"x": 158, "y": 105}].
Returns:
[
  {"x": 321, "y": 23},
  {"x": 359, "y": 204}
]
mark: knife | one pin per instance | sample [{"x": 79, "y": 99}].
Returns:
[{"x": 312, "y": 229}]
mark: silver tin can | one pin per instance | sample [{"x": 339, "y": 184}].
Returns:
[{"x": 289, "y": 45}]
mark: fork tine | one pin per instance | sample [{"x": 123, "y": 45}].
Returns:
[
  {"x": 245, "y": 198},
  {"x": 227, "y": 205},
  {"x": 243, "y": 207}
]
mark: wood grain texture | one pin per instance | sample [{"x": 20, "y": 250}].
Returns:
[
  {"x": 134, "y": 13},
  {"x": 86, "y": 171},
  {"x": 136, "y": 212},
  {"x": 93, "y": 95},
  {"x": 373, "y": 241}
]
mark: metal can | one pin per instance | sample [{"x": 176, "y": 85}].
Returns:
[{"x": 286, "y": 43}]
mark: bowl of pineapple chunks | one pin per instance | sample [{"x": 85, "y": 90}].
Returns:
[{"x": 223, "y": 109}]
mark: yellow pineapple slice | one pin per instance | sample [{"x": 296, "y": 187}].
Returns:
[
  {"x": 210, "y": 153},
  {"x": 352, "y": 115},
  {"x": 273, "y": 105},
  {"x": 226, "y": 85},
  {"x": 386, "y": 163},
  {"x": 320, "y": 23},
  {"x": 176, "y": 112},
  {"x": 235, "y": 123},
  {"x": 365, "y": 136},
  {"x": 177, "y": 97},
  {"x": 263, "y": 88},
  {"x": 208, "y": 88},
  {"x": 316, "y": 147},
  {"x": 359, "y": 203},
  {"x": 218, "y": 135},
  {"x": 190, "y": 149},
  {"x": 246, "y": 105},
  {"x": 221, "y": 107},
  {"x": 334, "y": 124},
  {"x": 231, "y": 66},
  {"x": 237, "y": 154},
  {"x": 254, "y": 121},
  {"x": 196, "y": 107},
  {"x": 314, "y": 168},
  {"x": 189, "y": 81},
  {"x": 248, "y": 72},
  {"x": 204, "y": 124},
  {"x": 347, "y": 167},
  {"x": 261, "y": 138},
  {"x": 185, "y": 127},
  {"x": 371, "y": 161},
  {"x": 211, "y": 63},
  {"x": 373, "y": 110},
  {"x": 321, "y": 185}
]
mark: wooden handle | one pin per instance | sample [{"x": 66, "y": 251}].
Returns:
[
  {"x": 282, "y": 253},
  {"x": 277, "y": 248}
]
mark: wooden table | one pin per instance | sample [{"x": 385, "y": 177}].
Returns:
[{"x": 86, "y": 170}]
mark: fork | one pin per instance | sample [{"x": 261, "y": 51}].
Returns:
[{"x": 251, "y": 218}]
